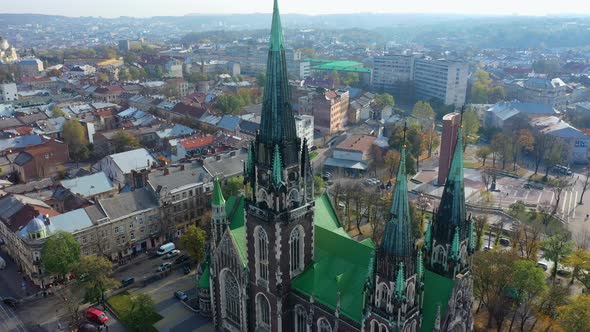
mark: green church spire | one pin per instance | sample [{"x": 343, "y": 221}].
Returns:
[
  {"x": 452, "y": 205},
  {"x": 276, "y": 31},
  {"x": 398, "y": 239},
  {"x": 218, "y": 199},
  {"x": 420, "y": 266},
  {"x": 277, "y": 125},
  {"x": 277, "y": 168}
]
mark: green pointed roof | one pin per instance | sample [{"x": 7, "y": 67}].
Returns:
[
  {"x": 398, "y": 239},
  {"x": 276, "y": 30},
  {"x": 455, "y": 245},
  {"x": 277, "y": 123},
  {"x": 277, "y": 168},
  {"x": 217, "y": 199},
  {"x": 420, "y": 265},
  {"x": 400, "y": 282},
  {"x": 470, "y": 236},
  {"x": 452, "y": 205}
]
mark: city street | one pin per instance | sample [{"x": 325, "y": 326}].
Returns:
[{"x": 177, "y": 316}]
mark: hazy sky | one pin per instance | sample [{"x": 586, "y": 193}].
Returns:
[{"x": 143, "y": 8}]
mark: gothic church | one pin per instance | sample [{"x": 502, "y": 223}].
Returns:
[{"x": 281, "y": 261}]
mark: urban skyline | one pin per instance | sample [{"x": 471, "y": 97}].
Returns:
[{"x": 181, "y": 7}]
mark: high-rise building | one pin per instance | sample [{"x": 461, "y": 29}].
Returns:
[
  {"x": 447, "y": 145},
  {"x": 407, "y": 75},
  {"x": 280, "y": 260},
  {"x": 445, "y": 80}
]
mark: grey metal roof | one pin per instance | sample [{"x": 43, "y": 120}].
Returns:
[
  {"x": 227, "y": 165},
  {"x": 20, "y": 142},
  {"x": 133, "y": 160},
  {"x": 89, "y": 185},
  {"x": 70, "y": 222},
  {"x": 193, "y": 173},
  {"x": 127, "y": 203},
  {"x": 95, "y": 214}
]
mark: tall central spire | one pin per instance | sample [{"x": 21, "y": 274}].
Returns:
[
  {"x": 452, "y": 204},
  {"x": 278, "y": 123},
  {"x": 398, "y": 239}
]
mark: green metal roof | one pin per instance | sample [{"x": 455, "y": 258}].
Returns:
[
  {"x": 337, "y": 257},
  {"x": 218, "y": 199},
  {"x": 437, "y": 291},
  {"x": 325, "y": 215},
  {"x": 342, "y": 65},
  {"x": 236, "y": 228},
  {"x": 204, "y": 280}
]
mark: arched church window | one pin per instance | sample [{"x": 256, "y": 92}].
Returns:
[
  {"x": 296, "y": 241},
  {"x": 324, "y": 325},
  {"x": 300, "y": 319},
  {"x": 232, "y": 298},
  {"x": 262, "y": 313},
  {"x": 261, "y": 253}
]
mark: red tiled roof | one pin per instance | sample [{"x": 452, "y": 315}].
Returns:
[
  {"x": 23, "y": 130},
  {"x": 195, "y": 143},
  {"x": 29, "y": 79}
]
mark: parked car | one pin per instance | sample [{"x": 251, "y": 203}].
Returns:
[
  {"x": 96, "y": 315},
  {"x": 181, "y": 295},
  {"x": 504, "y": 241},
  {"x": 166, "y": 248},
  {"x": 186, "y": 269},
  {"x": 164, "y": 267},
  {"x": 488, "y": 248},
  {"x": 2, "y": 263},
  {"x": 543, "y": 265},
  {"x": 127, "y": 281},
  {"x": 173, "y": 253},
  {"x": 181, "y": 258},
  {"x": 10, "y": 301},
  {"x": 562, "y": 170}
]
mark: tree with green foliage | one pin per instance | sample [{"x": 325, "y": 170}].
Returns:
[
  {"x": 318, "y": 184},
  {"x": 529, "y": 285},
  {"x": 351, "y": 79},
  {"x": 384, "y": 99},
  {"x": 60, "y": 254},
  {"x": 123, "y": 141},
  {"x": 555, "y": 248},
  {"x": 58, "y": 113},
  {"x": 579, "y": 261},
  {"x": 501, "y": 146},
  {"x": 483, "y": 153},
  {"x": 423, "y": 112},
  {"x": 496, "y": 94},
  {"x": 74, "y": 135},
  {"x": 233, "y": 186},
  {"x": 193, "y": 241},
  {"x": 493, "y": 276},
  {"x": 575, "y": 316},
  {"x": 95, "y": 275},
  {"x": 470, "y": 127},
  {"x": 229, "y": 104},
  {"x": 137, "y": 317},
  {"x": 479, "y": 226}
]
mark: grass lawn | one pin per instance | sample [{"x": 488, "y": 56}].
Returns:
[
  {"x": 472, "y": 164},
  {"x": 312, "y": 155},
  {"x": 122, "y": 302}
]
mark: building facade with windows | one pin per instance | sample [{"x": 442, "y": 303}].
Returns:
[
  {"x": 445, "y": 80},
  {"x": 281, "y": 261}
]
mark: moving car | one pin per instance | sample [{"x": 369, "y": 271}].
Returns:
[
  {"x": 164, "y": 267},
  {"x": 166, "y": 248},
  {"x": 96, "y": 315},
  {"x": 181, "y": 295},
  {"x": 127, "y": 281}
]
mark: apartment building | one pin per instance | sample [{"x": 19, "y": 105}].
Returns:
[
  {"x": 405, "y": 75},
  {"x": 538, "y": 90},
  {"x": 8, "y": 92},
  {"x": 445, "y": 80}
]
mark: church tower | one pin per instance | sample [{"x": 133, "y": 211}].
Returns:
[
  {"x": 395, "y": 300},
  {"x": 279, "y": 204},
  {"x": 448, "y": 249}
]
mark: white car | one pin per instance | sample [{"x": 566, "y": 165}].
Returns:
[
  {"x": 173, "y": 253},
  {"x": 164, "y": 267}
]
